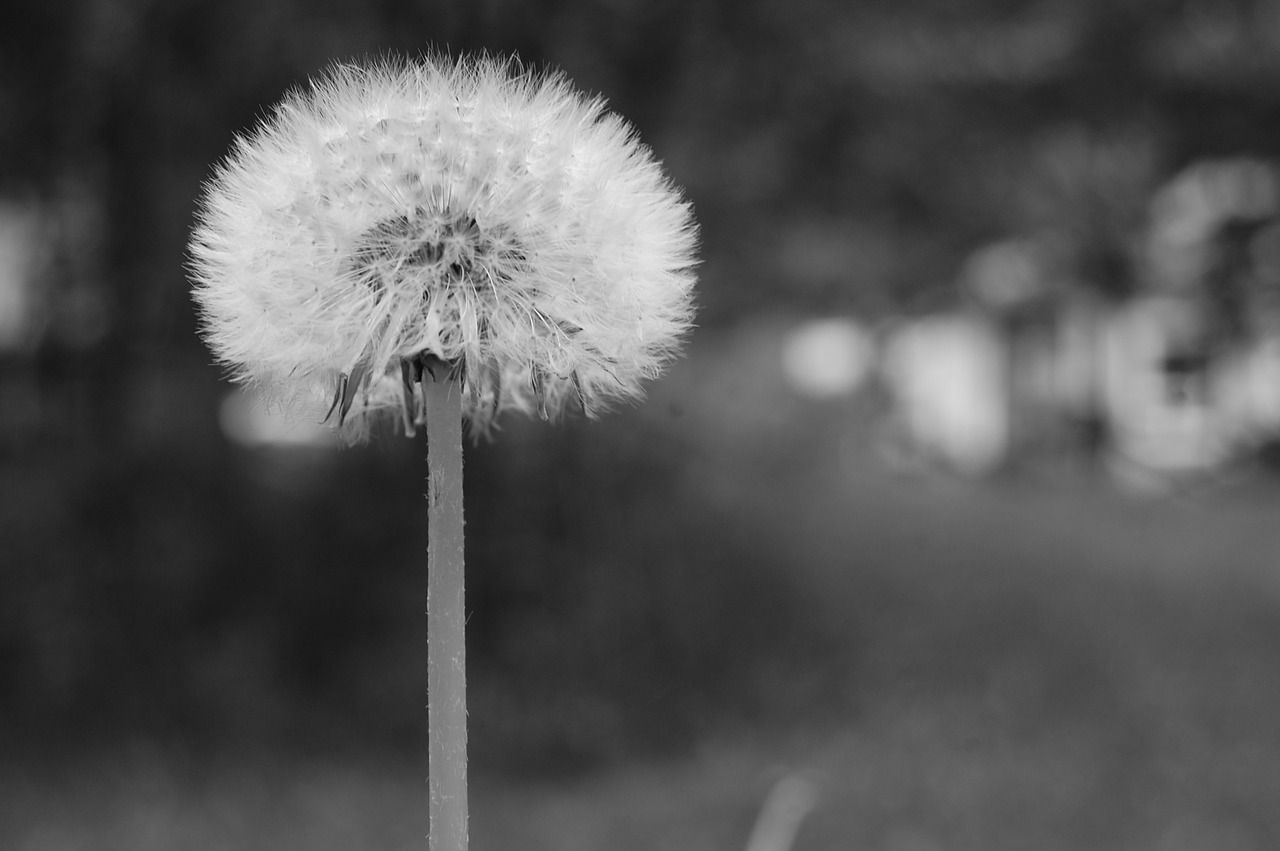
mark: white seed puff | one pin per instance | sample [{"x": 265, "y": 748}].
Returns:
[{"x": 435, "y": 214}]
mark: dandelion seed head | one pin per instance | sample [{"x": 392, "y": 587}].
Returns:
[{"x": 489, "y": 218}]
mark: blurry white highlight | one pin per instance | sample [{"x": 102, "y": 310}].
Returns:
[
  {"x": 248, "y": 421},
  {"x": 828, "y": 358},
  {"x": 948, "y": 375},
  {"x": 22, "y": 251}
]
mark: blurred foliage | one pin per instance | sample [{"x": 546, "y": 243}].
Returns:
[{"x": 158, "y": 580}]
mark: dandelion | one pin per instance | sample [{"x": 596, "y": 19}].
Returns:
[
  {"x": 434, "y": 242},
  {"x": 399, "y": 217}
]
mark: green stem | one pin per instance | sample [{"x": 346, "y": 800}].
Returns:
[{"x": 446, "y": 620}]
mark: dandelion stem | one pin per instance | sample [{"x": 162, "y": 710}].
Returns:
[{"x": 446, "y": 646}]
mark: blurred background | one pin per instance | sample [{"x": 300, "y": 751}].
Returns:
[{"x": 956, "y": 528}]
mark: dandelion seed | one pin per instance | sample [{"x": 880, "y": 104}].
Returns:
[{"x": 471, "y": 211}]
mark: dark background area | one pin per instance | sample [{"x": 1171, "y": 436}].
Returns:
[{"x": 208, "y": 644}]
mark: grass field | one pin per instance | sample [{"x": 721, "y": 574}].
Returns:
[{"x": 1036, "y": 668}]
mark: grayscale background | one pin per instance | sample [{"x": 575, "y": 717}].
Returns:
[{"x": 957, "y": 526}]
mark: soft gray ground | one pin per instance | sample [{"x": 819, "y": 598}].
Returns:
[{"x": 1041, "y": 669}]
